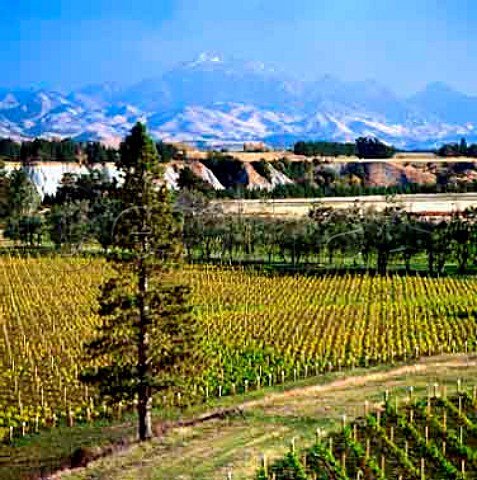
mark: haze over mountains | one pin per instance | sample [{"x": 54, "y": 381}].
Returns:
[{"x": 220, "y": 101}]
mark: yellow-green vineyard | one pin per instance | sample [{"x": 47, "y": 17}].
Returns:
[{"x": 258, "y": 330}]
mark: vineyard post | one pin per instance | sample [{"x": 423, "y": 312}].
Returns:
[
  {"x": 11, "y": 433},
  {"x": 366, "y": 406},
  {"x": 443, "y": 447},
  {"x": 368, "y": 447},
  {"x": 264, "y": 463},
  {"x": 423, "y": 465}
]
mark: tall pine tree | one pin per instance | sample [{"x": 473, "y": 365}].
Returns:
[{"x": 147, "y": 334}]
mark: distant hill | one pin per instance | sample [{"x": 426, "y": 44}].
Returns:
[{"x": 218, "y": 101}]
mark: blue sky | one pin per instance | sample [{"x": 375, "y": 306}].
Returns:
[{"x": 403, "y": 44}]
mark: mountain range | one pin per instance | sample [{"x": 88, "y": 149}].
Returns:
[{"x": 217, "y": 101}]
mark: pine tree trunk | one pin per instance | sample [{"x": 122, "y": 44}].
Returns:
[
  {"x": 144, "y": 390},
  {"x": 144, "y": 408}
]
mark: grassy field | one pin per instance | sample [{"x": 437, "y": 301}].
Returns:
[{"x": 276, "y": 155}]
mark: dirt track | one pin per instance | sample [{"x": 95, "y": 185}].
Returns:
[
  {"x": 418, "y": 203},
  {"x": 422, "y": 366}
]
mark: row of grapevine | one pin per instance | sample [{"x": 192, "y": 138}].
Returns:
[
  {"x": 259, "y": 331},
  {"x": 433, "y": 438}
]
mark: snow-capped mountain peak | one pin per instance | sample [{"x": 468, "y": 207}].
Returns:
[{"x": 221, "y": 100}]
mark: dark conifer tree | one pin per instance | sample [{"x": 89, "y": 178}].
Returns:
[{"x": 147, "y": 334}]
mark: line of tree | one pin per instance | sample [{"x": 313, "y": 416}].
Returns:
[
  {"x": 86, "y": 207},
  {"x": 363, "y": 147},
  {"x": 365, "y": 235},
  {"x": 460, "y": 149},
  {"x": 68, "y": 150},
  {"x": 324, "y": 149}
]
